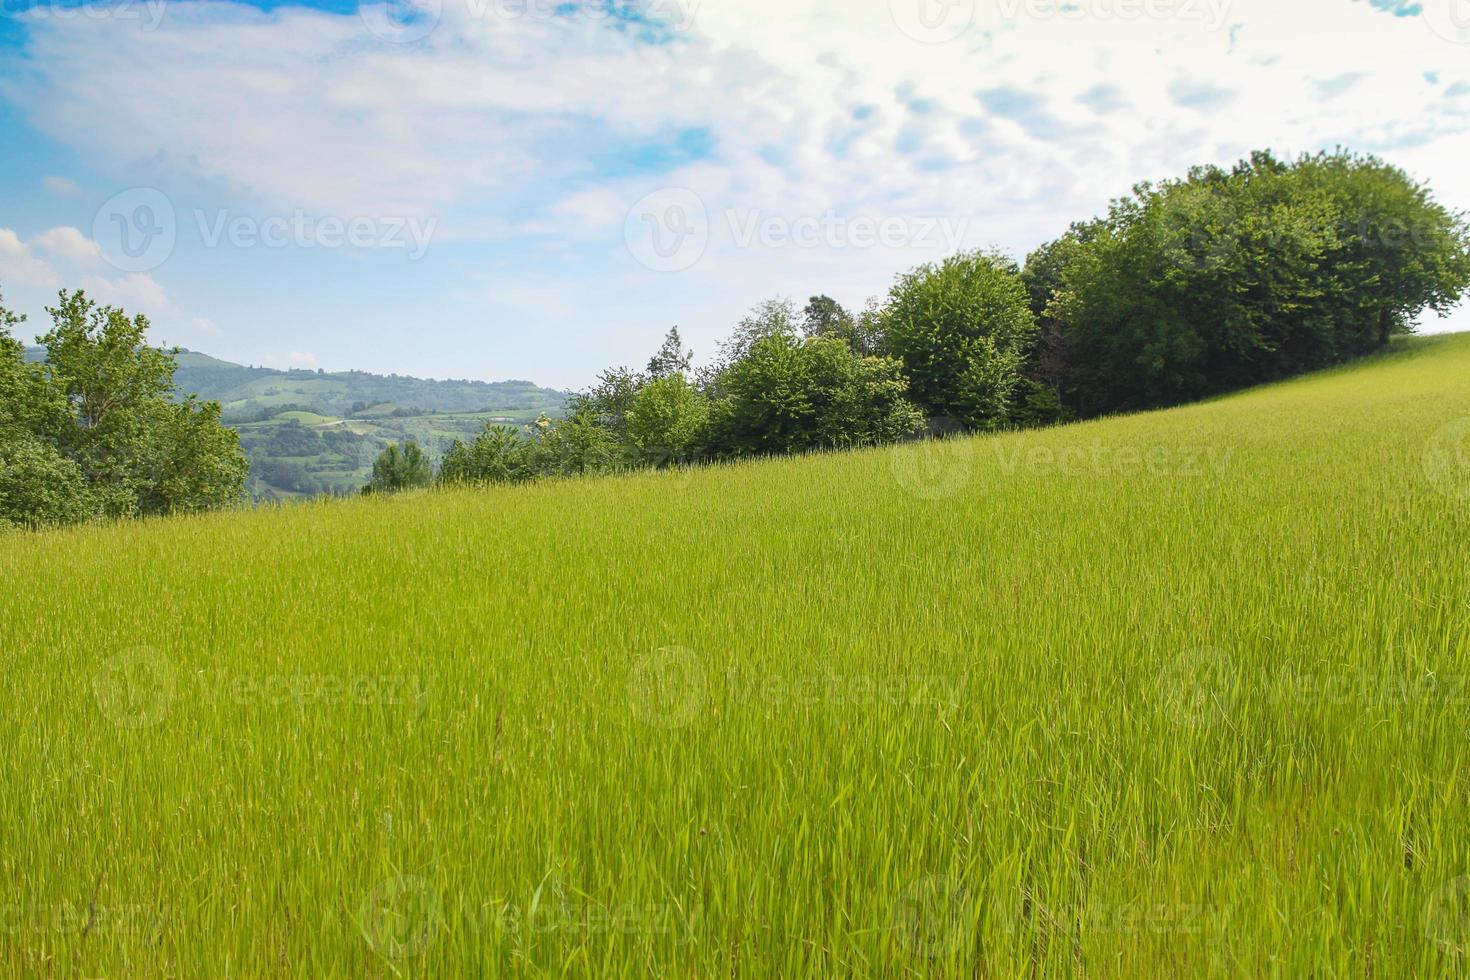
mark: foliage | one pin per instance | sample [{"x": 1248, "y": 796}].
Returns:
[
  {"x": 667, "y": 421},
  {"x": 1230, "y": 278},
  {"x": 791, "y": 395},
  {"x": 399, "y": 468},
  {"x": 39, "y": 486},
  {"x": 769, "y": 318},
  {"x": 962, "y": 329},
  {"x": 671, "y": 357},
  {"x": 825, "y": 317},
  {"x": 576, "y": 446},
  {"x": 104, "y": 405},
  {"x": 498, "y": 455}
]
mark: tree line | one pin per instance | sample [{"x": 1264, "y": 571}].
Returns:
[{"x": 1183, "y": 290}]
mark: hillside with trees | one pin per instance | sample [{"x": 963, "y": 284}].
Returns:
[{"x": 1183, "y": 290}]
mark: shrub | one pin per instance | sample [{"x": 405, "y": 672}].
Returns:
[{"x": 961, "y": 330}]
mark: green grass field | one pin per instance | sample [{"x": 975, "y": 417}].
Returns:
[{"x": 1180, "y": 694}]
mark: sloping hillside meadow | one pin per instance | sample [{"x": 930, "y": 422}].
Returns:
[{"x": 1178, "y": 694}]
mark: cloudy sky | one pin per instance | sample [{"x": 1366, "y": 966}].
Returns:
[{"x": 535, "y": 189}]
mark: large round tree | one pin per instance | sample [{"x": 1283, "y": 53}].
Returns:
[{"x": 961, "y": 329}]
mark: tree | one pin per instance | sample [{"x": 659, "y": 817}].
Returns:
[
  {"x": 791, "y": 395},
  {"x": 770, "y": 318},
  {"x": 498, "y": 455},
  {"x": 961, "y": 330},
  {"x": 39, "y": 486},
  {"x": 1396, "y": 251},
  {"x": 825, "y": 317},
  {"x": 667, "y": 421},
  {"x": 1229, "y": 278},
  {"x": 200, "y": 467},
  {"x": 671, "y": 357},
  {"x": 104, "y": 404},
  {"x": 574, "y": 446},
  {"x": 398, "y": 468}
]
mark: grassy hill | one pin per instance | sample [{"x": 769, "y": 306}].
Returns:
[
  {"x": 1177, "y": 694},
  {"x": 315, "y": 432}
]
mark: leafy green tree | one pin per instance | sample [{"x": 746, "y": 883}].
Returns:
[
  {"x": 1396, "y": 252},
  {"x": 498, "y": 455},
  {"x": 39, "y": 486},
  {"x": 770, "y": 318},
  {"x": 104, "y": 404},
  {"x": 791, "y": 395},
  {"x": 962, "y": 330},
  {"x": 404, "y": 467},
  {"x": 825, "y": 317},
  {"x": 668, "y": 420},
  {"x": 200, "y": 466},
  {"x": 574, "y": 446},
  {"x": 671, "y": 357},
  {"x": 1229, "y": 278}
]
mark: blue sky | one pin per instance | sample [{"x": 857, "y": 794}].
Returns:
[{"x": 539, "y": 189}]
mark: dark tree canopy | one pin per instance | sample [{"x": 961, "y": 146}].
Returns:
[{"x": 1230, "y": 278}]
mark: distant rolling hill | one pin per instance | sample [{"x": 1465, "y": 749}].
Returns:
[{"x": 317, "y": 432}]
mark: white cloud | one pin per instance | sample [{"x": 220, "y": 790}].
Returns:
[
  {"x": 72, "y": 246},
  {"x": 205, "y": 327},
  {"x": 302, "y": 360},
  {"x": 135, "y": 293},
  {"x": 61, "y": 186},
  {"x": 17, "y": 264},
  {"x": 76, "y": 254},
  {"x": 541, "y": 130},
  {"x": 306, "y": 109}
]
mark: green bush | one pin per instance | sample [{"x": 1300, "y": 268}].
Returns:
[
  {"x": 961, "y": 330},
  {"x": 39, "y": 486},
  {"x": 667, "y": 421},
  {"x": 791, "y": 395},
  {"x": 398, "y": 468}
]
